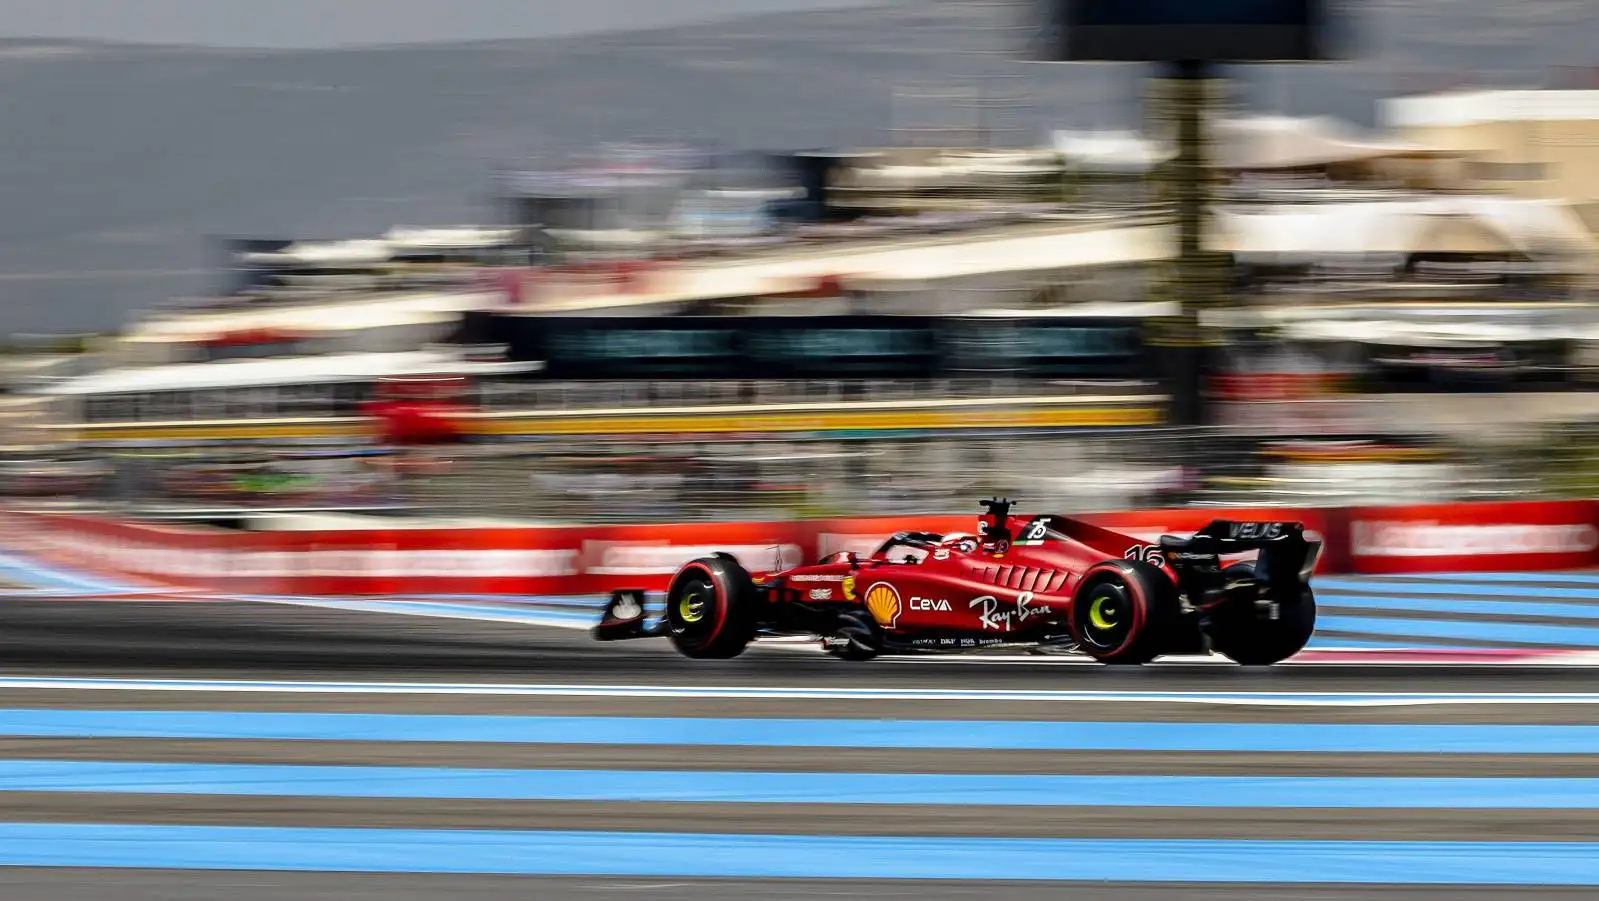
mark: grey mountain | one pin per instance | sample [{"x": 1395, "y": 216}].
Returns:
[{"x": 120, "y": 160}]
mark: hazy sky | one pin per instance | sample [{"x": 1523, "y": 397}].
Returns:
[{"x": 331, "y": 23}]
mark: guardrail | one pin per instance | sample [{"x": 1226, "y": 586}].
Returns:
[
  {"x": 591, "y": 559},
  {"x": 523, "y": 397},
  {"x": 830, "y": 407},
  {"x": 694, "y": 478}
]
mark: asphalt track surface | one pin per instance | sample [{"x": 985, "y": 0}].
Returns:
[
  {"x": 221, "y": 640},
  {"x": 195, "y": 641}
]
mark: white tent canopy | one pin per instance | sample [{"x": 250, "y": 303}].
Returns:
[
  {"x": 1109, "y": 150},
  {"x": 1282, "y": 142},
  {"x": 1423, "y": 334},
  {"x": 1248, "y": 142},
  {"x": 274, "y": 372},
  {"x": 327, "y": 253},
  {"x": 464, "y": 237},
  {"x": 427, "y": 306},
  {"x": 1531, "y": 227},
  {"x": 371, "y": 251}
]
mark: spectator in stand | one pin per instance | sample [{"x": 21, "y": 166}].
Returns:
[{"x": 417, "y": 416}]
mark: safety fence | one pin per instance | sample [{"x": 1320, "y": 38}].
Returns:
[
  {"x": 377, "y": 558},
  {"x": 678, "y": 478}
]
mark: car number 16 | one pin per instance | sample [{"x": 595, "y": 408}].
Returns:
[{"x": 1148, "y": 553}]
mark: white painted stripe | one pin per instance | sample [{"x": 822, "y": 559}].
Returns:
[
  {"x": 1574, "y": 658},
  {"x": 552, "y": 619},
  {"x": 573, "y": 619},
  {"x": 1360, "y": 657},
  {"x": 1252, "y": 699},
  {"x": 1581, "y": 577},
  {"x": 978, "y": 659}
]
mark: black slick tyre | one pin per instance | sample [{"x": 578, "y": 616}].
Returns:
[
  {"x": 1248, "y": 637},
  {"x": 1124, "y": 613},
  {"x": 857, "y": 638},
  {"x": 711, "y": 609}
]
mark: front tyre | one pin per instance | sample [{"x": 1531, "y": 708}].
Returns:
[
  {"x": 711, "y": 609},
  {"x": 856, "y": 638},
  {"x": 1249, "y": 637},
  {"x": 1124, "y": 613}
]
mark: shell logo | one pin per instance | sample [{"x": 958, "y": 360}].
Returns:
[{"x": 882, "y": 602}]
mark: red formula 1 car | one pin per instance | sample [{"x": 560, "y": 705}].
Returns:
[{"x": 1056, "y": 581}]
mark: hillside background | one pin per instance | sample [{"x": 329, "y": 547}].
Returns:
[{"x": 118, "y": 161}]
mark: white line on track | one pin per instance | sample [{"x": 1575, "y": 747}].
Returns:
[
  {"x": 1038, "y": 660},
  {"x": 1356, "y": 660},
  {"x": 530, "y": 617},
  {"x": 1245, "y": 699}
]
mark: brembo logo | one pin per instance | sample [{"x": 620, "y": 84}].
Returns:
[{"x": 1379, "y": 538}]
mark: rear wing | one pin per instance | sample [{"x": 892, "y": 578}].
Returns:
[{"x": 1286, "y": 560}]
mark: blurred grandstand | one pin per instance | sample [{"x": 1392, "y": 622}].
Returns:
[{"x": 665, "y": 334}]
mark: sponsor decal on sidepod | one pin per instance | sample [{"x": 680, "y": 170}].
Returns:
[
  {"x": 991, "y": 617},
  {"x": 882, "y": 602}
]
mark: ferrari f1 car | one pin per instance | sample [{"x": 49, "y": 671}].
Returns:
[{"x": 1057, "y": 581}]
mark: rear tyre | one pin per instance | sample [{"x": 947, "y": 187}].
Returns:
[
  {"x": 1249, "y": 638},
  {"x": 710, "y": 609},
  {"x": 1124, "y": 613}
]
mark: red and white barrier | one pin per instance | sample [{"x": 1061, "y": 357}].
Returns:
[
  {"x": 1522, "y": 535},
  {"x": 591, "y": 560}
]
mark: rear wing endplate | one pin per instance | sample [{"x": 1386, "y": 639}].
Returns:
[{"x": 1286, "y": 556}]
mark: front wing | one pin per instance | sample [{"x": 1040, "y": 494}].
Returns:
[{"x": 624, "y": 618}]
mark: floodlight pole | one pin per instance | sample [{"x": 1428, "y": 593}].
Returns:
[{"x": 1196, "y": 279}]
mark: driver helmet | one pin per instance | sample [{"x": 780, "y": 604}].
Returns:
[
  {"x": 965, "y": 542},
  {"x": 995, "y": 535}
]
